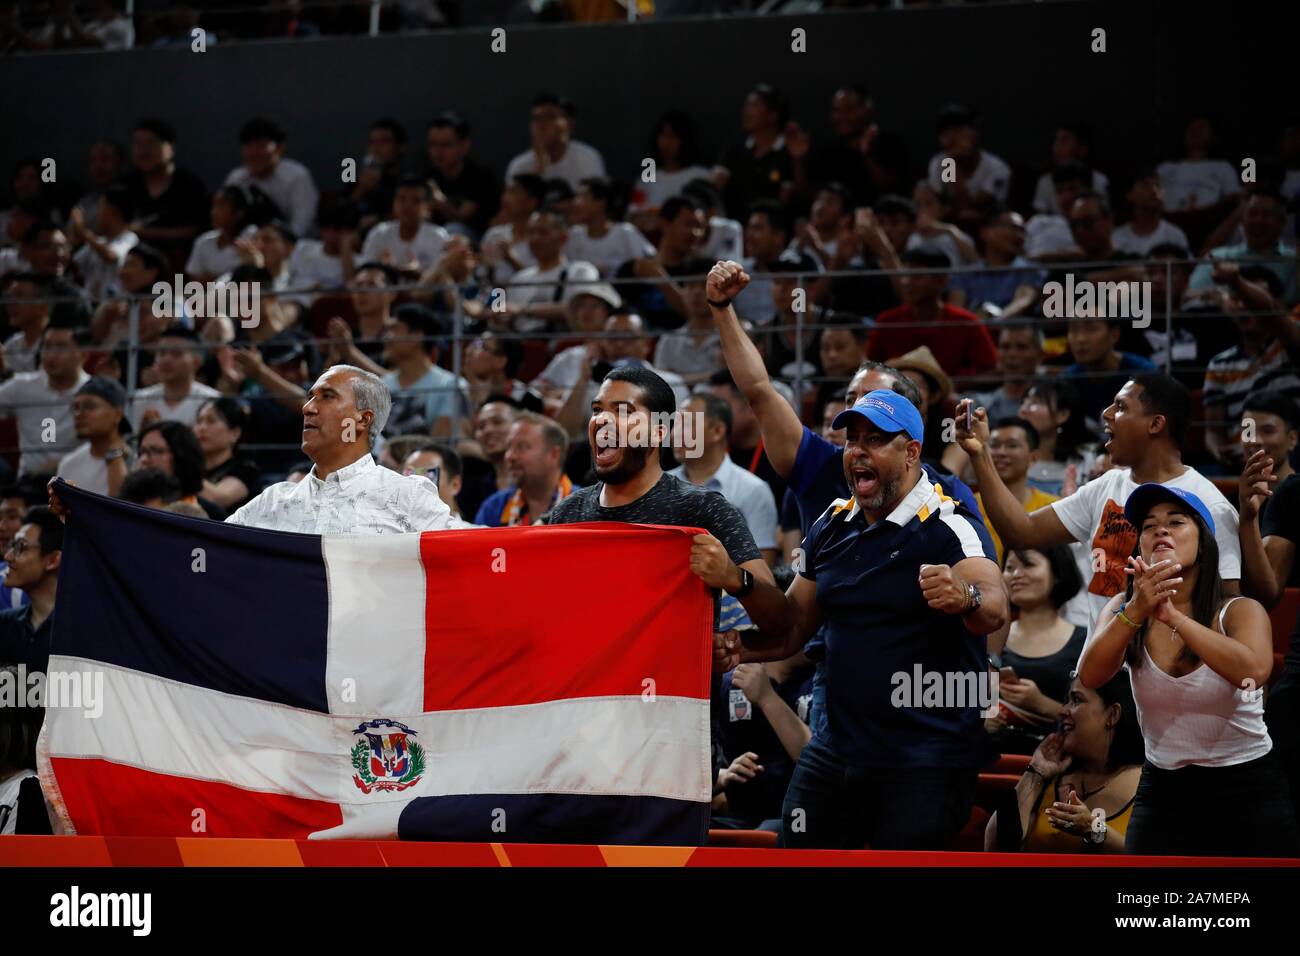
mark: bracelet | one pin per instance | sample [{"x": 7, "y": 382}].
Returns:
[
  {"x": 1125, "y": 618},
  {"x": 725, "y": 303}
]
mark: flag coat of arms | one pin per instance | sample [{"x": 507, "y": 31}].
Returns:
[{"x": 511, "y": 685}]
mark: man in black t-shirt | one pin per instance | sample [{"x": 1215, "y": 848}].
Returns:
[
  {"x": 469, "y": 193},
  {"x": 630, "y": 420}
]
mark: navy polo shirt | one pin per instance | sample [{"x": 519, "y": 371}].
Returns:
[{"x": 876, "y": 624}]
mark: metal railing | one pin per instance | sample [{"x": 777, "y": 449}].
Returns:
[{"x": 462, "y": 330}]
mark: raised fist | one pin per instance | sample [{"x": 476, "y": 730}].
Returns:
[{"x": 726, "y": 281}]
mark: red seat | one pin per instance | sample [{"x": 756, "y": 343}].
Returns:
[
  {"x": 971, "y": 838},
  {"x": 1010, "y": 763},
  {"x": 761, "y": 839},
  {"x": 1283, "y": 619}
]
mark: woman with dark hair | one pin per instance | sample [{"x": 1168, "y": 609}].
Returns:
[
  {"x": 1090, "y": 766},
  {"x": 172, "y": 448},
  {"x": 229, "y": 479},
  {"x": 673, "y": 147},
  {"x": 1066, "y": 449},
  {"x": 1041, "y": 650},
  {"x": 1198, "y": 661}
]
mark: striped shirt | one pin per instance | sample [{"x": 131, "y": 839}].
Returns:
[{"x": 1232, "y": 375}]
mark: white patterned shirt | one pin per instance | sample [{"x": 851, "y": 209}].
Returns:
[{"x": 362, "y": 498}]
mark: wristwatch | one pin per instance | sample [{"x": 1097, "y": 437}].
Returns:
[
  {"x": 746, "y": 585},
  {"x": 719, "y": 305},
  {"x": 974, "y": 596},
  {"x": 1095, "y": 837},
  {"x": 113, "y": 454}
]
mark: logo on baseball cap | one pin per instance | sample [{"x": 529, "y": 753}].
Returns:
[
  {"x": 1144, "y": 496},
  {"x": 888, "y": 411}
]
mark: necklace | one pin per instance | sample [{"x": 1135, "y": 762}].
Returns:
[{"x": 1083, "y": 783}]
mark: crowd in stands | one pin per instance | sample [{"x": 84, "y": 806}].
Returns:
[{"x": 493, "y": 303}]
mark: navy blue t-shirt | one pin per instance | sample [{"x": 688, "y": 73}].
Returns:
[{"x": 877, "y": 625}]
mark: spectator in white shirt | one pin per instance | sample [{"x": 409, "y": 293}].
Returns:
[
  {"x": 408, "y": 241},
  {"x": 536, "y": 296},
  {"x": 505, "y": 245},
  {"x": 1048, "y": 234},
  {"x": 101, "y": 464},
  {"x": 346, "y": 492},
  {"x": 104, "y": 29},
  {"x": 976, "y": 178},
  {"x": 554, "y": 154},
  {"x": 586, "y": 314},
  {"x": 1196, "y": 181},
  {"x": 674, "y": 148},
  {"x": 286, "y": 182},
  {"x": 327, "y": 263},
  {"x": 176, "y": 397},
  {"x": 41, "y": 402},
  {"x": 594, "y": 238},
  {"x": 215, "y": 252},
  {"x": 705, "y": 461},
  {"x": 724, "y": 239},
  {"x": 1147, "y": 227},
  {"x": 100, "y": 257},
  {"x": 1072, "y": 144}
]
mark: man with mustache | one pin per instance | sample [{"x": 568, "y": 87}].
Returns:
[
  {"x": 902, "y": 579},
  {"x": 630, "y": 420}
]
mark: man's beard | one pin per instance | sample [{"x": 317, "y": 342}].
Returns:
[
  {"x": 629, "y": 466},
  {"x": 887, "y": 493}
]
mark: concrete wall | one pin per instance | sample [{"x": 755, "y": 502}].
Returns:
[{"x": 1024, "y": 65}]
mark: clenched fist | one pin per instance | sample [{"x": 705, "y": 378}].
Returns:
[
  {"x": 943, "y": 590},
  {"x": 726, "y": 280}
]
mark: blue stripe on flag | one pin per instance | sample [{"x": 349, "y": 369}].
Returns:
[
  {"x": 555, "y": 818},
  {"x": 253, "y": 621}
]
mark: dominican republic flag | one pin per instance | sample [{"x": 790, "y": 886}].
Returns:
[{"x": 512, "y": 685}]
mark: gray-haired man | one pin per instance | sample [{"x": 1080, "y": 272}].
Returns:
[{"x": 346, "y": 492}]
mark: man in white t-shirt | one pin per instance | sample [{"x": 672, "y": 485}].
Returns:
[
  {"x": 554, "y": 153},
  {"x": 100, "y": 255},
  {"x": 1145, "y": 426},
  {"x": 408, "y": 238},
  {"x": 1147, "y": 227},
  {"x": 972, "y": 177},
  {"x": 287, "y": 182},
  {"x": 102, "y": 463},
  {"x": 42, "y": 402},
  {"x": 176, "y": 397},
  {"x": 536, "y": 296},
  {"x": 594, "y": 238}
]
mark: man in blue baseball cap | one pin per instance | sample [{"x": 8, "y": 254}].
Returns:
[{"x": 903, "y": 580}]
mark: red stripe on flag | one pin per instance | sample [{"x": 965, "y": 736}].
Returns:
[
  {"x": 526, "y": 615},
  {"x": 158, "y": 804}
]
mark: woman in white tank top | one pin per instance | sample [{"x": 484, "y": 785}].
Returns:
[{"x": 1199, "y": 661}]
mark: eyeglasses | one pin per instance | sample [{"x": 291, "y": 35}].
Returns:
[
  {"x": 433, "y": 473},
  {"x": 152, "y": 451},
  {"x": 18, "y": 546}
]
